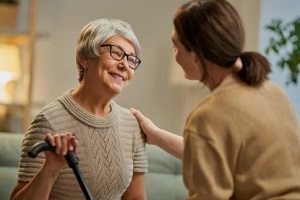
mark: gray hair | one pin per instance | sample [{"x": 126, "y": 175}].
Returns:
[{"x": 98, "y": 31}]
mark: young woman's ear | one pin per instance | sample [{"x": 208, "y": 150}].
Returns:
[{"x": 195, "y": 58}]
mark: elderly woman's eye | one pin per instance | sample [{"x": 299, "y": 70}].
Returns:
[
  {"x": 117, "y": 53},
  {"x": 132, "y": 60}
]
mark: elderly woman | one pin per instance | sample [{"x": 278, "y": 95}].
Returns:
[{"x": 106, "y": 138}]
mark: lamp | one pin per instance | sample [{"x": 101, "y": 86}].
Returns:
[{"x": 9, "y": 69}]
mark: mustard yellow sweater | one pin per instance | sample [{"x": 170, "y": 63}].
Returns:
[
  {"x": 110, "y": 149},
  {"x": 243, "y": 143}
]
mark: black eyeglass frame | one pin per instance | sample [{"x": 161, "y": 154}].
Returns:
[{"x": 125, "y": 54}]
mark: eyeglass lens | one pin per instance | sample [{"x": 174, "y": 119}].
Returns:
[{"x": 118, "y": 54}]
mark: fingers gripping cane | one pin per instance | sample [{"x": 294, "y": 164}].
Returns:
[{"x": 72, "y": 161}]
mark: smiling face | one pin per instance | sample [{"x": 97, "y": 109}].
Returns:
[
  {"x": 188, "y": 60},
  {"x": 106, "y": 74}
]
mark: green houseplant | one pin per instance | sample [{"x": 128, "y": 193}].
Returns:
[{"x": 286, "y": 45}]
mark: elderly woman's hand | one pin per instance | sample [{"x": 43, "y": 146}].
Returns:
[{"x": 63, "y": 143}]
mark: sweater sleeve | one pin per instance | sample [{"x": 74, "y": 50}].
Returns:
[
  {"x": 140, "y": 163},
  {"x": 28, "y": 167},
  {"x": 207, "y": 166},
  {"x": 133, "y": 140}
]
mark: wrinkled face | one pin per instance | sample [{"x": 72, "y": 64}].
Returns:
[
  {"x": 186, "y": 59},
  {"x": 104, "y": 73}
]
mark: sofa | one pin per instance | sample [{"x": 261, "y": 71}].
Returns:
[
  {"x": 163, "y": 180},
  {"x": 10, "y": 147}
]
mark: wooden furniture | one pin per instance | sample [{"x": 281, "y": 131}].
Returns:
[{"x": 25, "y": 40}]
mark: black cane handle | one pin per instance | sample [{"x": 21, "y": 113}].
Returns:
[
  {"x": 72, "y": 161},
  {"x": 46, "y": 146},
  {"x": 39, "y": 147}
]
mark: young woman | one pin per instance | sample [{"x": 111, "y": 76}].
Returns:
[{"x": 242, "y": 140}]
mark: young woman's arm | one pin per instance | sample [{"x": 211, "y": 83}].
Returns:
[{"x": 169, "y": 142}]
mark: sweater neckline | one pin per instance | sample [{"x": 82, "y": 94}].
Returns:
[{"x": 85, "y": 117}]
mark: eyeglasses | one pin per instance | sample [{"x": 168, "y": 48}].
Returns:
[{"x": 118, "y": 54}]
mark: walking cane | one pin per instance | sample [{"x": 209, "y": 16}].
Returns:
[{"x": 72, "y": 161}]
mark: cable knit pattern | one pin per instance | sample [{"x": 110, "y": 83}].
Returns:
[{"x": 110, "y": 149}]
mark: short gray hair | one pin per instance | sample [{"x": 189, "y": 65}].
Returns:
[{"x": 96, "y": 32}]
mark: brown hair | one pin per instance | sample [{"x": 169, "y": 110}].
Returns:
[{"x": 214, "y": 31}]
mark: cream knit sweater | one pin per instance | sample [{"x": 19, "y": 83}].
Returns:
[{"x": 110, "y": 149}]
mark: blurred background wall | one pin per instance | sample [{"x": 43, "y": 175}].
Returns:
[{"x": 157, "y": 88}]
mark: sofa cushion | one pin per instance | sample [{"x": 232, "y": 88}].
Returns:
[
  {"x": 164, "y": 179},
  {"x": 10, "y": 148},
  {"x": 161, "y": 186},
  {"x": 161, "y": 162},
  {"x": 8, "y": 181}
]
